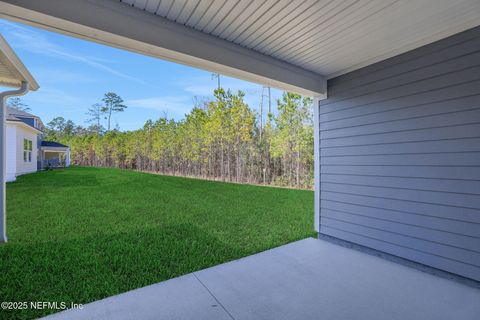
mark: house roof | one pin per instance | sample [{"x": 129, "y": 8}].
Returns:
[
  {"x": 15, "y": 115},
  {"x": 21, "y": 113},
  {"x": 21, "y": 123},
  {"x": 12, "y": 71},
  {"x": 53, "y": 144},
  {"x": 11, "y": 117}
]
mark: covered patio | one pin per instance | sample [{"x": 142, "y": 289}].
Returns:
[
  {"x": 396, "y": 88},
  {"x": 307, "y": 279},
  {"x": 54, "y": 155}
]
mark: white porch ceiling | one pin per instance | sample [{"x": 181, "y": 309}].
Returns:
[
  {"x": 328, "y": 37},
  {"x": 289, "y": 44},
  {"x": 12, "y": 71}
]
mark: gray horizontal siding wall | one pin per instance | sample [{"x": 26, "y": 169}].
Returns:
[{"x": 400, "y": 155}]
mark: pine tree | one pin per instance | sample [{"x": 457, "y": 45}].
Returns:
[{"x": 112, "y": 104}]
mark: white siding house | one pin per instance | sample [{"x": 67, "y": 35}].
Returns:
[
  {"x": 23, "y": 134},
  {"x": 26, "y": 151},
  {"x": 11, "y": 152},
  {"x": 25, "y": 146}
]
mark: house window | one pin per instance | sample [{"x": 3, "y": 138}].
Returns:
[{"x": 27, "y": 150}]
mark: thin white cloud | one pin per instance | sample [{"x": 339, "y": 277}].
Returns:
[
  {"x": 54, "y": 97},
  {"x": 204, "y": 86},
  {"x": 172, "y": 106},
  {"x": 199, "y": 90},
  {"x": 37, "y": 43},
  {"x": 55, "y": 76}
]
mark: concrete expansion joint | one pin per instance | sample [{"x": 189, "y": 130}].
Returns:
[{"x": 213, "y": 296}]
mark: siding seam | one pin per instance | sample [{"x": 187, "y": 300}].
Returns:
[
  {"x": 403, "y": 246},
  {"x": 404, "y": 108},
  {"x": 406, "y": 236},
  {"x": 385, "y": 176},
  {"x": 401, "y": 119},
  {"x": 397, "y": 142},
  {"x": 407, "y": 200},
  {"x": 407, "y": 224},
  {"x": 401, "y": 211},
  {"x": 402, "y": 188},
  {"x": 404, "y": 73},
  {"x": 404, "y": 130},
  {"x": 405, "y": 95}
]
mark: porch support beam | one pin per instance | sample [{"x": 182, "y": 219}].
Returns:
[
  {"x": 67, "y": 158},
  {"x": 119, "y": 25},
  {"x": 316, "y": 162},
  {"x": 3, "y": 153}
]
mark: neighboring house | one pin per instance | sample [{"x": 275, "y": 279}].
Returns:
[{"x": 26, "y": 150}]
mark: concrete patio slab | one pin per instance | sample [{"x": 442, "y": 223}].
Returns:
[
  {"x": 307, "y": 279},
  {"x": 179, "y": 298},
  {"x": 313, "y": 279}
]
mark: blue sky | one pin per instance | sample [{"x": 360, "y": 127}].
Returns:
[{"x": 74, "y": 74}]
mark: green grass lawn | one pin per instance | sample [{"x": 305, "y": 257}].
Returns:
[{"x": 83, "y": 234}]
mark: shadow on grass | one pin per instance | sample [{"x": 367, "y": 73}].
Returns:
[{"x": 87, "y": 269}]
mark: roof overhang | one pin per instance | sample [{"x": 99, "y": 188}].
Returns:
[
  {"x": 115, "y": 24},
  {"x": 54, "y": 149},
  {"x": 12, "y": 71},
  {"x": 24, "y": 125},
  {"x": 293, "y": 45}
]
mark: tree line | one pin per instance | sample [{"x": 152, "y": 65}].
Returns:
[{"x": 221, "y": 139}]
